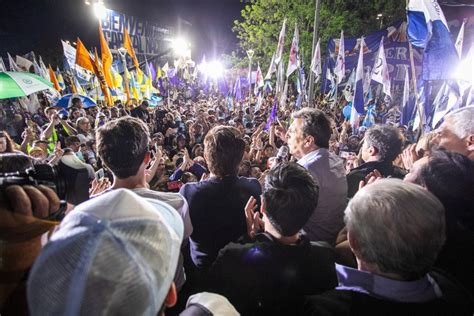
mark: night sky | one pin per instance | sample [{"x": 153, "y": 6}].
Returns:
[{"x": 39, "y": 25}]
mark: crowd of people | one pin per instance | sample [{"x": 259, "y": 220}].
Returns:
[{"x": 198, "y": 208}]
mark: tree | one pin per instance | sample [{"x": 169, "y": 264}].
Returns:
[{"x": 262, "y": 20}]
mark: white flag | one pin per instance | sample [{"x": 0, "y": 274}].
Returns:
[
  {"x": 448, "y": 99},
  {"x": 460, "y": 40},
  {"x": 13, "y": 65},
  {"x": 2, "y": 65},
  {"x": 406, "y": 89},
  {"x": 258, "y": 80},
  {"x": 294, "y": 52},
  {"x": 281, "y": 43},
  {"x": 380, "y": 70},
  {"x": 23, "y": 63},
  {"x": 316, "y": 63},
  {"x": 271, "y": 68},
  {"x": 44, "y": 70},
  {"x": 340, "y": 67},
  {"x": 358, "y": 102}
]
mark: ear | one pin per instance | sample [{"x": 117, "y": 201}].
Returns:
[
  {"x": 470, "y": 143},
  {"x": 172, "y": 296},
  {"x": 373, "y": 151},
  {"x": 310, "y": 140},
  {"x": 353, "y": 243}
]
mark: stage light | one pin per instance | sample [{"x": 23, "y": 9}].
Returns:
[
  {"x": 99, "y": 10},
  {"x": 464, "y": 70},
  {"x": 181, "y": 47}
]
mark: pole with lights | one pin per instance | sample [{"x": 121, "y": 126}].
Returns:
[{"x": 250, "y": 54}]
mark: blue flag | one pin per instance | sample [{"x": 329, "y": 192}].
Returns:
[
  {"x": 428, "y": 29},
  {"x": 238, "y": 90},
  {"x": 273, "y": 116}
]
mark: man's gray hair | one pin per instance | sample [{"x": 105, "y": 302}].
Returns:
[
  {"x": 462, "y": 121},
  {"x": 399, "y": 227},
  {"x": 316, "y": 124},
  {"x": 386, "y": 139}
]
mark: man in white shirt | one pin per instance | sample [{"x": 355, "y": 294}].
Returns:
[{"x": 308, "y": 141}]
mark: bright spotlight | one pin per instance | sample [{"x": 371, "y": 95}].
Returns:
[
  {"x": 464, "y": 70},
  {"x": 100, "y": 10},
  {"x": 181, "y": 47},
  {"x": 215, "y": 69}
]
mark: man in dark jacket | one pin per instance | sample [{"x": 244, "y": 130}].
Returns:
[
  {"x": 267, "y": 275},
  {"x": 216, "y": 205},
  {"x": 395, "y": 230},
  {"x": 382, "y": 144}
]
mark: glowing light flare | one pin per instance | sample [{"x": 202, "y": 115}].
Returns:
[
  {"x": 465, "y": 71},
  {"x": 100, "y": 10},
  {"x": 213, "y": 69},
  {"x": 181, "y": 47}
]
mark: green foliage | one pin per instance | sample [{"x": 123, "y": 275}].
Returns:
[{"x": 262, "y": 20}]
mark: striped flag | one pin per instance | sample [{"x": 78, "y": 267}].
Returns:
[
  {"x": 316, "y": 63},
  {"x": 294, "y": 52},
  {"x": 358, "y": 103},
  {"x": 281, "y": 43},
  {"x": 340, "y": 67},
  {"x": 380, "y": 70}
]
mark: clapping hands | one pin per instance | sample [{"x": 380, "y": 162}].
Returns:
[{"x": 252, "y": 217}]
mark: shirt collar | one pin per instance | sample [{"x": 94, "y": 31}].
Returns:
[
  {"x": 422, "y": 290},
  {"x": 310, "y": 156}
]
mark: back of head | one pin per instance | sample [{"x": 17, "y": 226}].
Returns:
[
  {"x": 399, "y": 227},
  {"x": 122, "y": 145},
  {"x": 450, "y": 177},
  {"x": 290, "y": 196},
  {"x": 386, "y": 139},
  {"x": 462, "y": 121},
  {"x": 316, "y": 124},
  {"x": 114, "y": 254},
  {"x": 223, "y": 150}
]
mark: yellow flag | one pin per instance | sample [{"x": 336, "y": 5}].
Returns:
[
  {"x": 127, "y": 43},
  {"x": 103, "y": 85},
  {"x": 53, "y": 78},
  {"x": 83, "y": 58},
  {"x": 107, "y": 58}
]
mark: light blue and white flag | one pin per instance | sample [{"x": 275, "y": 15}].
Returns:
[
  {"x": 428, "y": 29},
  {"x": 358, "y": 103},
  {"x": 340, "y": 67},
  {"x": 447, "y": 99},
  {"x": 380, "y": 70},
  {"x": 460, "y": 40}
]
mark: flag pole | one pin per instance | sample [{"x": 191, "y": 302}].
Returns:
[
  {"x": 315, "y": 36},
  {"x": 413, "y": 77}
]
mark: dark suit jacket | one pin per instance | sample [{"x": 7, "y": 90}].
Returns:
[
  {"x": 266, "y": 277},
  {"x": 359, "y": 173},
  {"x": 216, "y": 208},
  {"x": 455, "y": 301}
]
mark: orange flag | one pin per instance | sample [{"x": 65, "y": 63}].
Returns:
[
  {"x": 83, "y": 58},
  {"x": 54, "y": 80},
  {"x": 100, "y": 76},
  {"x": 127, "y": 43},
  {"x": 107, "y": 58}
]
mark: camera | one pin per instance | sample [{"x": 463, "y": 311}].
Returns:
[{"x": 69, "y": 180}]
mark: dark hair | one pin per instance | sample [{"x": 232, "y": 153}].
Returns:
[
  {"x": 122, "y": 145},
  {"x": 290, "y": 195},
  {"x": 72, "y": 139},
  {"x": 386, "y": 139},
  {"x": 223, "y": 150},
  {"x": 10, "y": 144},
  {"x": 316, "y": 124},
  {"x": 450, "y": 177}
]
